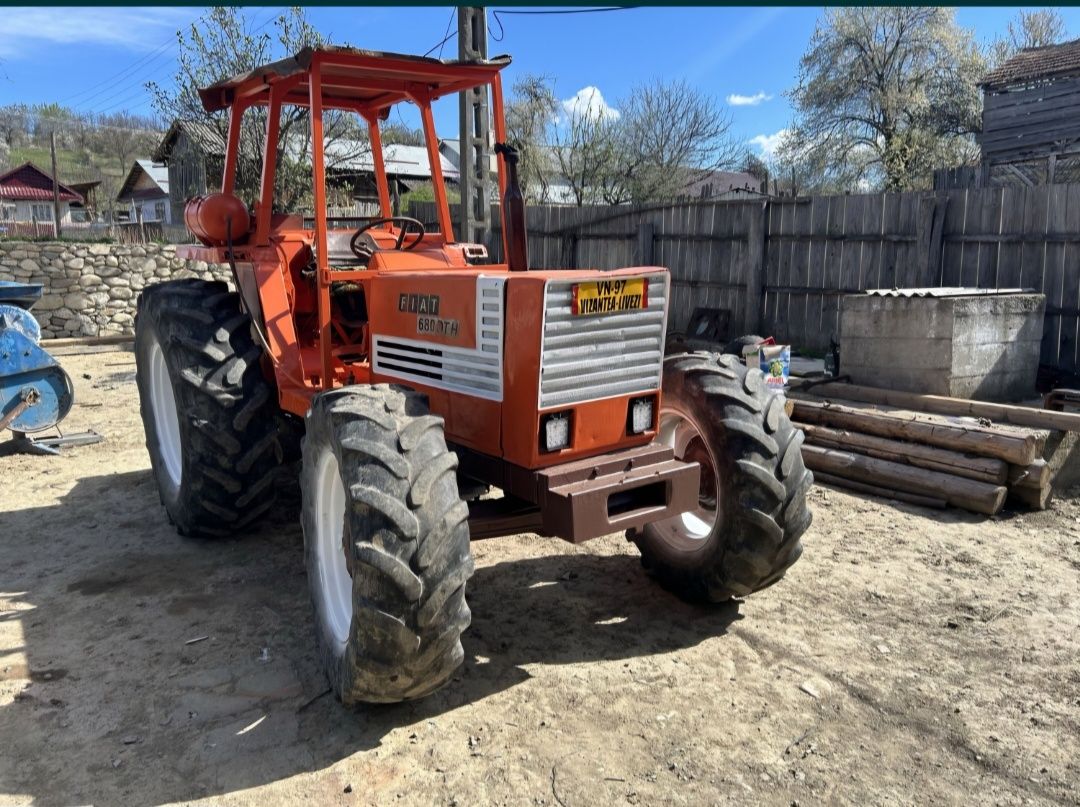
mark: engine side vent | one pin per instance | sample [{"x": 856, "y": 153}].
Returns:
[{"x": 474, "y": 371}]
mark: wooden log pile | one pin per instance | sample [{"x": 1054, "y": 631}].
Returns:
[{"x": 926, "y": 449}]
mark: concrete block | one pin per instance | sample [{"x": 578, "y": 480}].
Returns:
[
  {"x": 978, "y": 346},
  {"x": 881, "y": 316},
  {"x": 905, "y": 351}
]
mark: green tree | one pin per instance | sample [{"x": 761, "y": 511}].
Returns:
[
  {"x": 220, "y": 45},
  {"x": 884, "y": 96},
  {"x": 530, "y": 114}
]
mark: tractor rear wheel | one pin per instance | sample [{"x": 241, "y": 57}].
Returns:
[
  {"x": 386, "y": 541},
  {"x": 752, "y": 501},
  {"x": 209, "y": 413}
]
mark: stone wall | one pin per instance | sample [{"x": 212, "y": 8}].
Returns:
[{"x": 92, "y": 289}]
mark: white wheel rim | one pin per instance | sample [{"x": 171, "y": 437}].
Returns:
[
  {"x": 691, "y": 528},
  {"x": 335, "y": 584},
  {"x": 166, "y": 420}
]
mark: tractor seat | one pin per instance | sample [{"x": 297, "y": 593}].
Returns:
[{"x": 338, "y": 252}]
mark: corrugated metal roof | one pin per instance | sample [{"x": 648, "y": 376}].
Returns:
[
  {"x": 946, "y": 291},
  {"x": 341, "y": 155},
  {"x": 158, "y": 174},
  {"x": 452, "y": 146},
  {"x": 203, "y": 134},
  {"x": 28, "y": 182},
  {"x": 1036, "y": 63},
  {"x": 400, "y": 161}
]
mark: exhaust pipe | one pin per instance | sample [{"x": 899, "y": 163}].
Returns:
[{"x": 513, "y": 207}]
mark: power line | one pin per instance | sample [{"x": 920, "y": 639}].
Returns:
[
  {"x": 139, "y": 83},
  {"x": 111, "y": 83},
  {"x": 140, "y": 92},
  {"x": 562, "y": 11},
  {"x": 506, "y": 12},
  {"x": 154, "y": 58},
  {"x": 447, "y": 36},
  {"x": 113, "y": 78}
]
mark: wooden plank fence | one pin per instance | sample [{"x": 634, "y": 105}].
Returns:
[{"x": 781, "y": 266}]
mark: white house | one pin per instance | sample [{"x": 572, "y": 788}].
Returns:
[{"x": 26, "y": 195}]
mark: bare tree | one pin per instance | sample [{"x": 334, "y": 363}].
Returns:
[
  {"x": 220, "y": 45},
  {"x": 401, "y": 134},
  {"x": 669, "y": 134},
  {"x": 584, "y": 146},
  {"x": 1029, "y": 29},
  {"x": 756, "y": 167},
  {"x": 885, "y": 95},
  {"x": 647, "y": 148},
  {"x": 124, "y": 137}
]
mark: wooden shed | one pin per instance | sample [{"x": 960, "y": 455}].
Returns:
[
  {"x": 1031, "y": 117},
  {"x": 195, "y": 154}
]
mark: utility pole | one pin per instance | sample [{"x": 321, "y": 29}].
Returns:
[
  {"x": 55, "y": 186},
  {"x": 475, "y": 142}
]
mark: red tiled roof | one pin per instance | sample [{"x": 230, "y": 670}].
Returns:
[
  {"x": 1036, "y": 63},
  {"x": 30, "y": 182}
]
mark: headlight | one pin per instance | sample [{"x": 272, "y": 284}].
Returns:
[
  {"x": 556, "y": 432},
  {"x": 641, "y": 415}
]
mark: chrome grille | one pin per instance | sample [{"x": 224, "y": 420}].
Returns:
[{"x": 590, "y": 357}]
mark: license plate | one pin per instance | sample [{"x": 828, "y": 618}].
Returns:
[{"x": 609, "y": 296}]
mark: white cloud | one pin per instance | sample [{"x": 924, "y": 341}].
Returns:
[
  {"x": 748, "y": 100},
  {"x": 767, "y": 144},
  {"x": 588, "y": 102},
  {"x": 135, "y": 29}
]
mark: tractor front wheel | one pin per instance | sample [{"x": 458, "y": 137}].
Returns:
[
  {"x": 744, "y": 533},
  {"x": 386, "y": 542},
  {"x": 208, "y": 411}
]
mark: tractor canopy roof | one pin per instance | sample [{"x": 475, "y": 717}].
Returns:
[{"x": 360, "y": 80}]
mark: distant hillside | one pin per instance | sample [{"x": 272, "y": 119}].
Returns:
[{"x": 89, "y": 147}]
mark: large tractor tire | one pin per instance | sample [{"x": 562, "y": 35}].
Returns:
[
  {"x": 386, "y": 541},
  {"x": 752, "y": 506},
  {"x": 209, "y": 413}
]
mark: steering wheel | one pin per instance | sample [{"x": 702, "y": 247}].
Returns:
[{"x": 406, "y": 224}]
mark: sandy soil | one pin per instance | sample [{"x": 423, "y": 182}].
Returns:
[{"x": 910, "y": 657}]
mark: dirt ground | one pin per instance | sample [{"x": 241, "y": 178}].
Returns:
[{"x": 911, "y": 656}]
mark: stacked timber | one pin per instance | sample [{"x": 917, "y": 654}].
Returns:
[{"x": 926, "y": 449}]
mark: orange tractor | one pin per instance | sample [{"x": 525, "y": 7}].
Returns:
[{"x": 422, "y": 375}]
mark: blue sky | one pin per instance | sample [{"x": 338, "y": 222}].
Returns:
[{"x": 96, "y": 59}]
